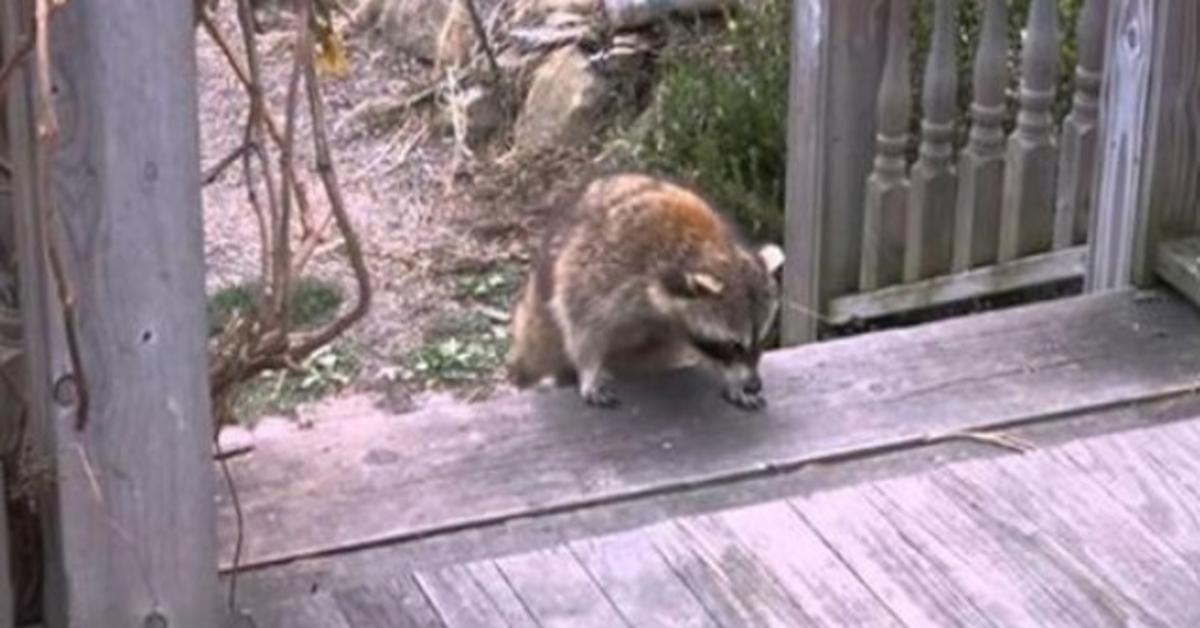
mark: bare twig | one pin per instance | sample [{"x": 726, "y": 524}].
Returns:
[
  {"x": 998, "y": 439},
  {"x": 309, "y": 342},
  {"x": 48, "y": 134},
  {"x": 302, "y": 56},
  {"x": 211, "y": 175},
  {"x": 246, "y": 348},
  {"x": 239, "y": 535},
  {"x": 481, "y": 34}
]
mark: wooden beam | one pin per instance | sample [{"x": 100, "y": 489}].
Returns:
[
  {"x": 130, "y": 522},
  {"x": 1023, "y": 272},
  {"x": 835, "y": 69},
  {"x": 356, "y": 482},
  {"x": 1129, "y": 114}
]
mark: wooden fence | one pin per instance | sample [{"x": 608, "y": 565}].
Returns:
[{"x": 872, "y": 230}]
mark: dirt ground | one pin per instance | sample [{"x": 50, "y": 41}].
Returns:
[{"x": 444, "y": 256}]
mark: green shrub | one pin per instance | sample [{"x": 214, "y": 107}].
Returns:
[{"x": 719, "y": 115}]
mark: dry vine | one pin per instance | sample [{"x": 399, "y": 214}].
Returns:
[{"x": 254, "y": 342}]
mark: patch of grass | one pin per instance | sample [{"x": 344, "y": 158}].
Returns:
[
  {"x": 327, "y": 370},
  {"x": 461, "y": 349},
  {"x": 494, "y": 286},
  {"x": 467, "y": 347},
  {"x": 313, "y": 302}
]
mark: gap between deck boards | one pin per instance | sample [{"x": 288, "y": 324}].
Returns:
[{"x": 360, "y": 484}]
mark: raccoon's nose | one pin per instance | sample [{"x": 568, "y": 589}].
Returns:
[{"x": 753, "y": 385}]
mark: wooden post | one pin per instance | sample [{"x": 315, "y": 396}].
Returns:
[
  {"x": 929, "y": 246},
  {"x": 1077, "y": 159},
  {"x": 981, "y": 163},
  {"x": 887, "y": 189},
  {"x": 1119, "y": 247},
  {"x": 1027, "y": 210},
  {"x": 837, "y": 58},
  {"x": 130, "y": 527}
]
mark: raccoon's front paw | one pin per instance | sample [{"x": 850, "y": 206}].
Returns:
[
  {"x": 744, "y": 400},
  {"x": 600, "y": 396}
]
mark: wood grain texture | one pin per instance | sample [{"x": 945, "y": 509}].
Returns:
[
  {"x": 558, "y": 592},
  {"x": 318, "y": 610},
  {"x": 639, "y": 582},
  {"x": 389, "y": 604},
  {"x": 130, "y": 526},
  {"x": 1155, "y": 474},
  {"x": 351, "y": 483},
  {"x": 815, "y": 576},
  {"x": 1118, "y": 248},
  {"x": 461, "y": 601},
  {"x": 916, "y": 585},
  {"x": 1008, "y": 581},
  {"x": 725, "y": 576},
  {"x": 1137, "y": 575}
]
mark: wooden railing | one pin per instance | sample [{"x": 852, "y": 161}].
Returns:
[{"x": 874, "y": 231}]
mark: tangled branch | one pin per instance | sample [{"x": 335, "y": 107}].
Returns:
[{"x": 262, "y": 340}]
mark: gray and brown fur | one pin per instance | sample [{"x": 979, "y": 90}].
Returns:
[{"x": 638, "y": 275}]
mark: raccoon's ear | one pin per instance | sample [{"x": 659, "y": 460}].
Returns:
[
  {"x": 692, "y": 284},
  {"x": 772, "y": 257}
]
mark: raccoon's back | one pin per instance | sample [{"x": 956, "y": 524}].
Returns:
[{"x": 626, "y": 226}]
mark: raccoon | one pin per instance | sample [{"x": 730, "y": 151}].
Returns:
[{"x": 639, "y": 275}]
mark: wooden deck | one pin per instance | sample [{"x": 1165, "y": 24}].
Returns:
[{"x": 866, "y": 495}]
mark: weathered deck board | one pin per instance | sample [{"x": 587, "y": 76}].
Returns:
[
  {"x": 390, "y": 604},
  {"x": 1156, "y": 476},
  {"x": 727, "y": 579},
  {"x": 817, "y": 579},
  {"x": 356, "y": 483},
  {"x": 640, "y": 582},
  {"x": 1090, "y": 533},
  {"x": 993, "y": 568},
  {"x": 557, "y": 591},
  {"x": 461, "y": 600},
  {"x": 1071, "y": 518},
  {"x": 915, "y": 584}
]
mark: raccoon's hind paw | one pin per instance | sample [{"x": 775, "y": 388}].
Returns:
[
  {"x": 743, "y": 400},
  {"x": 600, "y": 396}
]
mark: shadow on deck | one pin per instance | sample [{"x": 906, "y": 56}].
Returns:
[{"x": 531, "y": 508}]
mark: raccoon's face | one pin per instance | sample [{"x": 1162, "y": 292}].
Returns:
[{"x": 727, "y": 318}]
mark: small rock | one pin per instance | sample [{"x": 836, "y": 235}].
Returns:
[
  {"x": 565, "y": 105},
  {"x": 482, "y": 112},
  {"x": 273, "y": 426},
  {"x": 235, "y": 438},
  {"x": 412, "y": 26}
]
